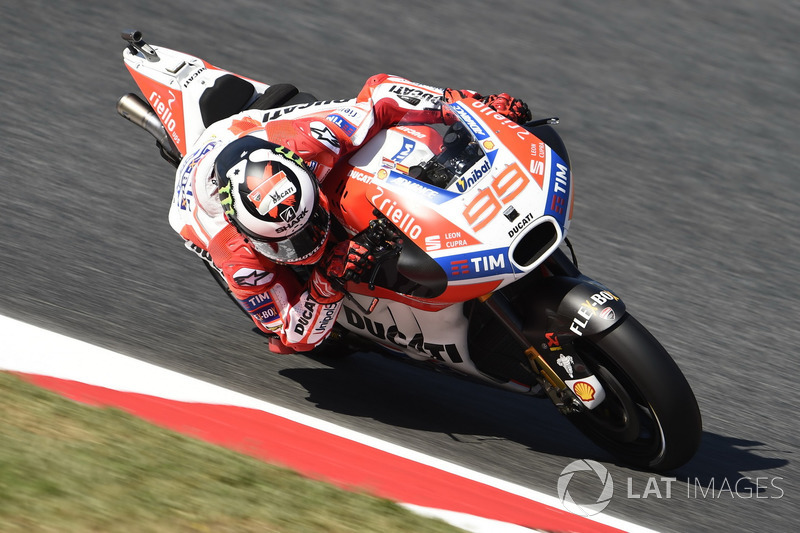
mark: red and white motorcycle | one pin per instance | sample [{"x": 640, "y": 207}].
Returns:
[{"x": 479, "y": 282}]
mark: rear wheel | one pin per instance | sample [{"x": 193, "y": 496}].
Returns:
[{"x": 650, "y": 418}]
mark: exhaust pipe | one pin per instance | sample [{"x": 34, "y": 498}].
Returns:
[{"x": 133, "y": 108}]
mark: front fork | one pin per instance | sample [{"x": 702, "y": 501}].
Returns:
[
  {"x": 554, "y": 386},
  {"x": 558, "y": 311}
]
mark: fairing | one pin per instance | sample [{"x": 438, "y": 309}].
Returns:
[{"x": 485, "y": 200}]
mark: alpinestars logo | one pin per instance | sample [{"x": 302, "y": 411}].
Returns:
[
  {"x": 323, "y": 134},
  {"x": 248, "y": 277}
]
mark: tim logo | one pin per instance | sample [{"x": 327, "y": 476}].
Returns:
[
  {"x": 459, "y": 267},
  {"x": 558, "y": 201},
  {"x": 477, "y": 265},
  {"x": 405, "y": 151},
  {"x": 347, "y": 127}
]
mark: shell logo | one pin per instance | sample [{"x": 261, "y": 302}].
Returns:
[{"x": 584, "y": 391}]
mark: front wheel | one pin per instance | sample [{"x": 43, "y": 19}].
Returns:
[{"x": 650, "y": 418}]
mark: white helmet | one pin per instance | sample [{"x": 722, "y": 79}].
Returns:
[{"x": 272, "y": 198}]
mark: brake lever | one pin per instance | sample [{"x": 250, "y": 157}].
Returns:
[{"x": 383, "y": 243}]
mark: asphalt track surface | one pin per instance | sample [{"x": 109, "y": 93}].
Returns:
[{"x": 682, "y": 124}]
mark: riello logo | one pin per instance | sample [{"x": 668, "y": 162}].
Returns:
[
  {"x": 404, "y": 220},
  {"x": 164, "y": 112}
]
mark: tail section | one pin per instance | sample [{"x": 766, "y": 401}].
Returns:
[{"x": 183, "y": 92}]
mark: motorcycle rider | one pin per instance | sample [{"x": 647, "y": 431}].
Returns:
[{"x": 247, "y": 199}]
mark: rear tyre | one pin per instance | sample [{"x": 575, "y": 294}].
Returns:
[{"x": 650, "y": 418}]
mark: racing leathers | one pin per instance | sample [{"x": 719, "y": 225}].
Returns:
[{"x": 301, "y": 315}]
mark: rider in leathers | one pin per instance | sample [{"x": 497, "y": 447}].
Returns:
[{"x": 233, "y": 229}]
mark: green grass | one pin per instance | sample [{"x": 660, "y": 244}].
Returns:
[{"x": 67, "y": 467}]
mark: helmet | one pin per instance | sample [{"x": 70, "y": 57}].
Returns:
[{"x": 272, "y": 198}]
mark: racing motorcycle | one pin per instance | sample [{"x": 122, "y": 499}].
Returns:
[{"x": 468, "y": 226}]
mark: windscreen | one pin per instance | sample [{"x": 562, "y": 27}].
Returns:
[{"x": 460, "y": 153}]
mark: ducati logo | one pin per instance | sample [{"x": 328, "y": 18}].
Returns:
[{"x": 272, "y": 192}]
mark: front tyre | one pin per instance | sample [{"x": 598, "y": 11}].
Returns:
[{"x": 650, "y": 418}]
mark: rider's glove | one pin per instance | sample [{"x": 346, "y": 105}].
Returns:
[
  {"x": 510, "y": 107},
  {"x": 347, "y": 261},
  {"x": 503, "y": 103},
  {"x": 454, "y": 95}
]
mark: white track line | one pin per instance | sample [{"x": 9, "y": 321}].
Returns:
[{"x": 32, "y": 350}]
